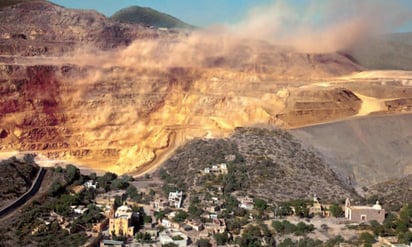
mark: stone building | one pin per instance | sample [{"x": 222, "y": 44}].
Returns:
[
  {"x": 318, "y": 208},
  {"x": 364, "y": 213},
  {"x": 123, "y": 222}
]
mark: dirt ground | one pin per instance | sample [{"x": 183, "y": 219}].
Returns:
[{"x": 335, "y": 227}]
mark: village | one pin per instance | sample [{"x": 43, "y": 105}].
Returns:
[{"x": 126, "y": 211}]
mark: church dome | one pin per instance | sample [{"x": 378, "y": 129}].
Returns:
[{"x": 377, "y": 206}]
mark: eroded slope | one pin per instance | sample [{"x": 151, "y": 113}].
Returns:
[
  {"x": 364, "y": 151},
  {"x": 129, "y": 101}
]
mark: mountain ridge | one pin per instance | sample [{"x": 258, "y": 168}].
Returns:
[
  {"x": 387, "y": 51},
  {"x": 150, "y": 17}
]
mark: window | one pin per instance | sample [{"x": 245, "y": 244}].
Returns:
[{"x": 363, "y": 217}]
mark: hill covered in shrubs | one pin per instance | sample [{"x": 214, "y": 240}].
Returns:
[
  {"x": 263, "y": 163},
  {"x": 16, "y": 177}
]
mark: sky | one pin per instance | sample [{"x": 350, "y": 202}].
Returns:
[{"x": 204, "y": 13}]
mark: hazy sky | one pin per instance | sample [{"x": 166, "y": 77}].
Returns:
[{"x": 206, "y": 12}]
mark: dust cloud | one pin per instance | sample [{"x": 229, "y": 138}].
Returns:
[
  {"x": 314, "y": 26},
  {"x": 323, "y": 26}
]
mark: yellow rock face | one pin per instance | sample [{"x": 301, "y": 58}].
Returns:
[{"x": 127, "y": 113}]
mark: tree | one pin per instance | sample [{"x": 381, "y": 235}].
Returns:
[
  {"x": 164, "y": 175},
  {"x": 143, "y": 237},
  {"x": 230, "y": 183},
  {"x": 336, "y": 210},
  {"x": 286, "y": 243},
  {"x": 159, "y": 215},
  {"x": 93, "y": 176},
  {"x": 55, "y": 189},
  {"x": 59, "y": 169},
  {"x": 194, "y": 200},
  {"x": 132, "y": 193},
  {"x": 195, "y": 211},
  {"x": 240, "y": 212},
  {"x": 170, "y": 245},
  {"x": 117, "y": 201},
  {"x": 180, "y": 216},
  {"x": 405, "y": 237},
  {"x": 283, "y": 210},
  {"x": 278, "y": 226},
  {"x": 283, "y": 227},
  {"x": 110, "y": 176},
  {"x": 231, "y": 203},
  {"x": 89, "y": 195},
  {"x": 302, "y": 229},
  {"x": 324, "y": 227},
  {"x": 147, "y": 218},
  {"x": 203, "y": 243},
  {"x": 405, "y": 216},
  {"x": 260, "y": 204},
  {"x": 366, "y": 238},
  {"x": 120, "y": 183},
  {"x": 251, "y": 236},
  {"x": 72, "y": 173},
  {"x": 221, "y": 238},
  {"x": 105, "y": 180},
  {"x": 390, "y": 223},
  {"x": 334, "y": 241},
  {"x": 234, "y": 225}
]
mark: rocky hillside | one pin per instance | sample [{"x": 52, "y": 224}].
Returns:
[
  {"x": 149, "y": 17},
  {"x": 393, "y": 193},
  {"x": 16, "y": 177},
  {"x": 33, "y": 28},
  {"x": 265, "y": 163}
]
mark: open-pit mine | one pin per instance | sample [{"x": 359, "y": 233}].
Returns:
[{"x": 78, "y": 87}]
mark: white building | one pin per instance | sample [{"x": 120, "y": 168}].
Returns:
[
  {"x": 166, "y": 223},
  {"x": 216, "y": 169},
  {"x": 246, "y": 203},
  {"x": 175, "y": 199},
  {"x": 173, "y": 236},
  {"x": 80, "y": 209},
  {"x": 90, "y": 184}
]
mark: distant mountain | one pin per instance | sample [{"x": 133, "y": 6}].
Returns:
[
  {"x": 390, "y": 51},
  {"x": 150, "y": 17},
  {"x": 39, "y": 27}
]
